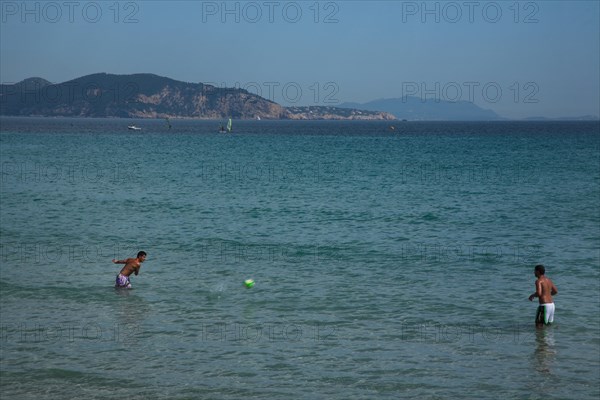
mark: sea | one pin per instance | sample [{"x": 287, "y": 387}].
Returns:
[{"x": 391, "y": 260}]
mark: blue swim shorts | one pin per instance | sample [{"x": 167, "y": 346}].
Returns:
[{"x": 122, "y": 281}]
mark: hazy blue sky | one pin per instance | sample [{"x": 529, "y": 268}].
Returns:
[{"x": 527, "y": 58}]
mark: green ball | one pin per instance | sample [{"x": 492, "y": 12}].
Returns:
[{"x": 249, "y": 283}]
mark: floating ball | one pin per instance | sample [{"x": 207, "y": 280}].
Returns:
[{"x": 249, "y": 283}]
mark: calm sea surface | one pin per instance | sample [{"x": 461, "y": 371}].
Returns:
[{"x": 388, "y": 263}]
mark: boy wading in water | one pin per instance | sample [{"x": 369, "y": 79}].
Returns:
[
  {"x": 132, "y": 265},
  {"x": 544, "y": 290}
]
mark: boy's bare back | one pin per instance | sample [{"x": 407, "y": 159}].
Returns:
[{"x": 545, "y": 289}]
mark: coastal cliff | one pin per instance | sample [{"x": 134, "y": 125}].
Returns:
[
  {"x": 152, "y": 96},
  {"x": 133, "y": 96}
]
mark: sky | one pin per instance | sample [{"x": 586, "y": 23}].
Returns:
[{"x": 519, "y": 58}]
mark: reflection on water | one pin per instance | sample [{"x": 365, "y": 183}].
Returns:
[
  {"x": 130, "y": 311},
  {"x": 545, "y": 350}
]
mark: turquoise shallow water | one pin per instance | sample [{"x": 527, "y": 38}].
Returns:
[{"x": 388, "y": 264}]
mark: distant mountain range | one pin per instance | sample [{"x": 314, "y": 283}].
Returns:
[
  {"x": 415, "y": 109},
  {"x": 152, "y": 96},
  {"x": 581, "y": 118}
]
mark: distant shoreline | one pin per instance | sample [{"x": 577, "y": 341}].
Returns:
[
  {"x": 220, "y": 120},
  {"x": 150, "y": 96}
]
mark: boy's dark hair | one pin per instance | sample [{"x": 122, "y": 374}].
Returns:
[
  {"x": 141, "y": 253},
  {"x": 541, "y": 269}
]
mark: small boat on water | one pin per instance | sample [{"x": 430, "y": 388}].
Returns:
[
  {"x": 134, "y": 128},
  {"x": 222, "y": 129}
]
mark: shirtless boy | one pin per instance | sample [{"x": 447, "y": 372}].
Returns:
[
  {"x": 544, "y": 290},
  {"x": 132, "y": 265}
]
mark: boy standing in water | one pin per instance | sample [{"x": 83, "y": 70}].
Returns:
[
  {"x": 544, "y": 290},
  {"x": 132, "y": 265}
]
